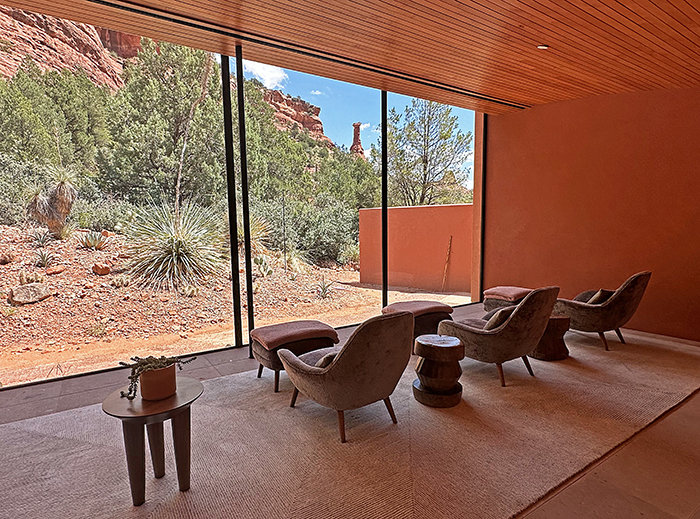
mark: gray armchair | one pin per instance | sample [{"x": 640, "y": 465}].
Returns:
[
  {"x": 611, "y": 311},
  {"x": 516, "y": 337},
  {"x": 364, "y": 371}
]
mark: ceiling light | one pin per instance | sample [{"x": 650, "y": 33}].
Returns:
[{"x": 543, "y": 47}]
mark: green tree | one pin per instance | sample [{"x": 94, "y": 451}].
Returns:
[
  {"x": 426, "y": 152},
  {"x": 166, "y": 124}
]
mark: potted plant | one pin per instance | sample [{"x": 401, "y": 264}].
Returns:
[{"x": 157, "y": 375}]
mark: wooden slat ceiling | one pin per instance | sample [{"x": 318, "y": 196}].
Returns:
[{"x": 479, "y": 54}]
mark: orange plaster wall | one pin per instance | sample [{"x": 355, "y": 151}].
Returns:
[
  {"x": 417, "y": 244},
  {"x": 584, "y": 193}
]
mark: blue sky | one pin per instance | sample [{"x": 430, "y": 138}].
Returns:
[{"x": 341, "y": 103}]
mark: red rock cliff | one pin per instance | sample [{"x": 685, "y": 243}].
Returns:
[
  {"x": 122, "y": 44},
  {"x": 292, "y": 110},
  {"x": 54, "y": 44}
]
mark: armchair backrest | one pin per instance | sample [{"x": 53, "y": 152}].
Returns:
[
  {"x": 622, "y": 305},
  {"x": 372, "y": 361},
  {"x": 525, "y": 326}
]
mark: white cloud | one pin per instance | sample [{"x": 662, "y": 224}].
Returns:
[
  {"x": 368, "y": 153},
  {"x": 269, "y": 75},
  {"x": 364, "y": 126},
  {"x": 317, "y": 93}
]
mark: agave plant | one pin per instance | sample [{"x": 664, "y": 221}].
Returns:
[
  {"x": 44, "y": 258},
  {"x": 324, "y": 289},
  {"x": 41, "y": 238},
  {"x": 94, "y": 240},
  {"x": 170, "y": 250}
]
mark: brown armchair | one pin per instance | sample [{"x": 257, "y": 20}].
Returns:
[
  {"x": 610, "y": 310},
  {"x": 364, "y": 371},
  {"x": 516, "y": 337}
]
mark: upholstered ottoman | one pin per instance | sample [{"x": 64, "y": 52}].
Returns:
[
  {"x": 299, "y": 337},
  {"x": 426, "y": 314},
  {"x": 497, "y": 297}
]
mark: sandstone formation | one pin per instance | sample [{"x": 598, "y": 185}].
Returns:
[
  {"x": 54, "y": 44},
  {"x": 356, "y": 147},
  {"x": 122, "y": 44},
  {"x": 292, "y": 110},
  {"x": 31, "y": 293}
]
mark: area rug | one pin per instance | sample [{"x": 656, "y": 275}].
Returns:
[{"x": 253, "y": 456}]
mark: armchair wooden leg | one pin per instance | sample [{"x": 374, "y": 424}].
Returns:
[
  {"x": 277, "y": 381},
  {"x": 605, "y": 342},
  {"x": 260, "y": 368},
  {"x": 527, "y": 365},
  {"x": 500, "y": 374},
  {"x": 295, "y": 394},
  {"x": 619, "y": 334},
  {"x": 341, "y": 425},
  {"x": 387, "y": 403}
]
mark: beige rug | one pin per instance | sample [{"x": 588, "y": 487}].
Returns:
[{"x": 491, "y": 456}]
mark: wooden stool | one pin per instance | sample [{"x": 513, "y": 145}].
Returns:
[
  {"x": 438, "y": 370},
  {"x": 552, "y": 345},
  {"x": 136, "y": 413},
  {"x": 426, "y": 314},
  {"x": 299, "y": 337}
]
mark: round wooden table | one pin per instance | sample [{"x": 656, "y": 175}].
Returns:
[
  {"x": 136, "y": 413},
  {"x": 552, "y": 345},
  {"x": 438, "y": 370}
]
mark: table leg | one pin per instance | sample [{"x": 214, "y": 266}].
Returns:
[
  {"x": 181, "y": 441},
  {"x": 157, "y": 444},
  {"x": 134, "y": 442}
]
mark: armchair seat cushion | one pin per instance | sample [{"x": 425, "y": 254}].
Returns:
[{"x": 320, "y": 358}]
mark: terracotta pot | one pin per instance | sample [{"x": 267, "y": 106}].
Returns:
[{"x": 158, "y": 384}]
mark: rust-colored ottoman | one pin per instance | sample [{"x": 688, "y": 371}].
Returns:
[
  {"x": 299, "y": 337},
  {"x": 497, "y": 297},
  {"x": 426, "y": 314}
]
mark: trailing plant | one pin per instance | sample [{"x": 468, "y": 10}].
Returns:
[
  {"x": 170, "y": 250},
  {"x": 141, "y": 364},
  {"x": 323, "y": 289},
  {"x": 44, "y": 258},
  {"x": 120, "y": 281},
  {"x": 41, "y": 238},
  {"x": 94, "y": 240},
  {"x": 25, "y": 278}
]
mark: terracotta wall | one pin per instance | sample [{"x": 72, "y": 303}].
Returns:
[
  {"x": 584, "y": 193},
  {"x": 418, "y": 241}
]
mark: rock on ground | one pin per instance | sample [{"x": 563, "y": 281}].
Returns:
[{"x": 31, "y": 293}]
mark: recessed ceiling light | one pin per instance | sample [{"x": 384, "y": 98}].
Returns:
[{"x": 543, "y": 47}]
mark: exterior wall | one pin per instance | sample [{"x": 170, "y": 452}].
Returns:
[
  {"x": 583, "y": 194},
  {"x": 418, "y": 241}
]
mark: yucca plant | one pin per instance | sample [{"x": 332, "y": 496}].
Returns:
[
  {"x": 170, "y": 250},
  {"x": 259, "y": 236},
  {"x": 44, "y": 258},
  {"x": 94, "y": 240},
  {"x": 51, "y": 204},
  {"x": 323, "y": 289},
  {"x": 41, "y": 238}
]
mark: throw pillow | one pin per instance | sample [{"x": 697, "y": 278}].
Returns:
[
  {"x": 600, "y": 297},
  {"x": 326, "y": 360},
  {"x": 499, "y": 317}
]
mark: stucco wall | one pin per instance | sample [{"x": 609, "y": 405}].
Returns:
[
  {"x": 584, "y": 193},
  {"x": 418, "y": 242}
]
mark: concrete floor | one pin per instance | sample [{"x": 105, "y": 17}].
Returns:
[{"x": 655, "y": 474}]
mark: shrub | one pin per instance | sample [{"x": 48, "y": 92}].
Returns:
[
  {"x": 16, "y": 177},
  {"x": 107, "y": 213},
  {"x": 350, "y": 254},
  {"x": 171, "y": 250}
]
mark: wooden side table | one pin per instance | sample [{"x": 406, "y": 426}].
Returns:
[
  {"x": 438, "y": 370},
  {"x": 136, "y": 413},
  {"x": 552, "y": 345}
]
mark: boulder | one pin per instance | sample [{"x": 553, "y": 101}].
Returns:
[
  {"x": 101, "y": 269},
  {"x": 31, "y": 293},
  {"x": 52, "y": 271}
]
